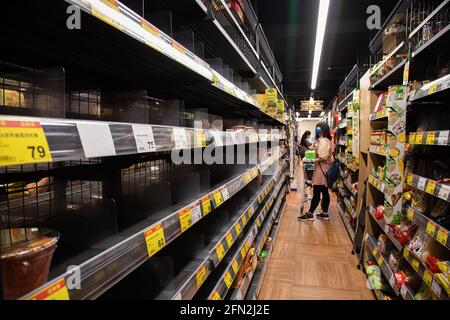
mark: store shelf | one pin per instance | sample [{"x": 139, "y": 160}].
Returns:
[
  {"x": 429, "y": 186},
  {"x": 349, "y": 229},
  {"x": 431, "y": 138},
  {"x": 125, "y": 253},
  {"x": 75, "y": 139},
  {"x": 433, "y": 46},
  {"x": 377, "y": 183},
  {"x": 433, "y": 229},
  {"x": 352, "y": 190},
  {"x": 344, "y": 103},
  {"x": 393, "y": 76},
  {"x": 342, "y": 192},
  {"x": 342, "y": 125},
  {"x": 379, "y": 115},
  {"x": 434, "y": 90},
  {"x": 225, "y": 243},
  {"x": 426, "y": 275},
  {"x": 258, "y": 273},
  {"x": 380, "y": 150},
  {"x": 349, "y": 206},
  {"x": 222, "y": 287},
  {"x": 406, "y": 292},
  {"x": 386, "y": 229}
]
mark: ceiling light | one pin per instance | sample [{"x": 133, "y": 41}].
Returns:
[
  {"x": 310, "y": 112},
  {"x": 311, "y": 100},
  {"x": 309, "y": 117},
  {"x": 321, "y": 26},
  {"x": 322, "y": 113}
]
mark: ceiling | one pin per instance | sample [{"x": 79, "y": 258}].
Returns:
[{"x": 290, "y": 26}]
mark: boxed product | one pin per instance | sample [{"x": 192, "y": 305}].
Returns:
[{"x": 271, "y": 97}]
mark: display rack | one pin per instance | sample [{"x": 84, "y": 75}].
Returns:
[
  {"x": 103, "y": 164},
  {"x": 395, "y": 136}
]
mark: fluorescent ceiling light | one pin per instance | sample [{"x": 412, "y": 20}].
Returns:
[
  {"x": 311, "y": 100},
  {"x": 321, "y": 26}
]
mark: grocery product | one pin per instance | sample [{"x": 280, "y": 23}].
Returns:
[{"x": 25, "y": 259}]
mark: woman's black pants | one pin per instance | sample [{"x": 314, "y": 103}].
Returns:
[{"x": 316, "y": 199}]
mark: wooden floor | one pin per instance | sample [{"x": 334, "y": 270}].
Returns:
[{"x": 313, "y": 260}]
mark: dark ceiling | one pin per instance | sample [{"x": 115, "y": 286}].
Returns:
[{"x": 290, "y": 26}]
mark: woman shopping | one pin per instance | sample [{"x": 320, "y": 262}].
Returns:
[{"x": 322, "y": 164}]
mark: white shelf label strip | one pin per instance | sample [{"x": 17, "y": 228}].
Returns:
[
  {"x": 143, "y": 135},
  {"x": 96, "y": 139}
]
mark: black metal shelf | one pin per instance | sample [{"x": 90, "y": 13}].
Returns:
[{"x": 393, "y": 76}]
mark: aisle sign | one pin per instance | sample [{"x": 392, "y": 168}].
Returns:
[
  {"x": 229, "y": 239},
  {"x": 143, "y": 135},
  {"x": 200, "y": 276},
  {"x": 23, "y": 142},
  {"x": 416, "y": 264},
  {"x": 196, "y": 212},
  {"x": 442, "y": 236},
  {"x": 185, "y": 218},
  {"x": 235, "y": 267},
  {"x": 443, "y": 138},
  {"x": 220, "y": 251},
  {"x": 180, "y": 138},
  {"x": 228, "y": 280},
  {"x": 206, "y": 205},
  {"x": 428, "y": 278},
  {"x": 154, "y": 238},
  {"x": 55, "y": 291},
  {"x": 430, "y": 138},
  {"x": 431, "y": 228},
  {"x": 431, "y": 186}
]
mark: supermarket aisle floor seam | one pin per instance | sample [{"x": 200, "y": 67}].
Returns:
[{"x": 313, "y": 260}]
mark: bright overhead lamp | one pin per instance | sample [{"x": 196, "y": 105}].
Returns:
[
  {"x": 322, "y": 113},
  {"x": 309, "y": 117},
  {"x": 321, "y": 26},
  {"x": 310, "y": 112}
]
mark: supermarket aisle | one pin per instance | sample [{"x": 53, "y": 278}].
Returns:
[{"x": 313, "y": 260}]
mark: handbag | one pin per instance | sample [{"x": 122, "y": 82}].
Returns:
[{"x": 332, "y": 175}]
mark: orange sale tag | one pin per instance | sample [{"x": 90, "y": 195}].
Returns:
[
  {"x": 220, "y": 251},
  {"x": 229, "y": 239},
  {"x": 56, "y": 291},
  {"x": 200, "y": 276}
]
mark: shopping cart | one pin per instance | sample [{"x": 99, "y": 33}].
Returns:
[{"x": 308, "y": 169}]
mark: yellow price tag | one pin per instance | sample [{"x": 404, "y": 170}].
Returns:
[
  {"x": 430, "y": 137},
  {"x": 201, "y": 141},
  {"x": 247, "y": 246},
  {"x": 218, "y": 199},
  {"x": 380, "y": 261},
  {"x": 247, "y": 178},
  {"x": 406, "y": 253},
  {"x": 185, "y": 218},
  {"x": 410, "y": 214},
  {"x": 154, "y": 238},
  {"x": 56, "y": 291},
  {"x": 419, "y": 137},
  {"x": 258, "y": 223},
  {"x": 243, "y": 253},
  {"x": 431, "y": 186},
  {"x": 220, "y": 251},
  {"x": 200, "y": 276},
  {"x": 428, "y": 278},
  {"x": 431, "y": 228},
  {"x": 374, "y": 252},
  {"x": 235, "y": 266},
  {"x": 442, "y": 236},
  {"x": 237, "y": 227},
  {"x": 412, "y": 138},
  {"x": 244, "y": 220},
  {"x": 215, "y": 296},
  {"x": 150, "y": 28},
  {"x": 416, "y": 264},
  {"x": 409, "y": 179},
  {"x": 229, "y": 239},
  {"x": 228, "y": 280},
  {"x": 433, "y": 89},
  {"x": 250, "y": 212},
  {"x": 23, "y": 142},
  {"x": 206, "y": 205}
]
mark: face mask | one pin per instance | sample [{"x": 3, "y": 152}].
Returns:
[{"x": 318, "y": 131}]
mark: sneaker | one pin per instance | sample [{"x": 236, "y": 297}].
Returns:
[
  {"x": 323, "y": 216},
  {"x": 306, "y": 217}
]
